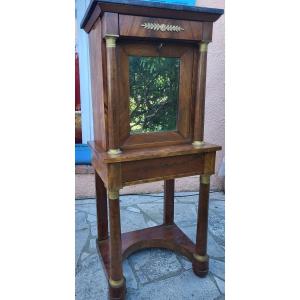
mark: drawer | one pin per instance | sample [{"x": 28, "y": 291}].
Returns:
[
  {"x": 135, "y": 26},
  {"x": 134, "y": 172}
]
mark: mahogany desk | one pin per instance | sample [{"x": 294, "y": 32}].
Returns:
[{"x": 148, "y": 74}]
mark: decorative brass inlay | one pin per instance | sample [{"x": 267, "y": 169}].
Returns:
[
  {"x": 114, "y": 151},
  {"x": 203, "y": 46},
  {"x": 116, "y": 283},
  {"x": 205, "y": 179},
  {"x": 162, "y": 27},
  {"x": 198, "y": 143},
  {"x": 201, "y": 258},
  {"x": 113, "y": 195},
  {"x": 111, "y": 41}
]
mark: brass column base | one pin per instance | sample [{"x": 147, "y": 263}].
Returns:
[
  {"x": 114, "y": 151},
  {"x": 117, "y": 289},
  {"x": 198, "y": 144},
  {"x": 200, "y": 265}
]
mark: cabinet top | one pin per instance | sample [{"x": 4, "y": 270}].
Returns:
[{"x": 148, "y": 9}]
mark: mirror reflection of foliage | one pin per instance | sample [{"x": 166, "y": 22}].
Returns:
[{"x": 154, "y": 89}]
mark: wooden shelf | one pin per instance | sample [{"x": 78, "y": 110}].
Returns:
[{"x": 163, "y": 236}]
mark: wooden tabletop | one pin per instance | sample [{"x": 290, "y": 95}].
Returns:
[{"x": 149, "y": 153}]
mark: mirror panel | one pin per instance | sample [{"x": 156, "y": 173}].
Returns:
[{"x": 154, "y": 93}]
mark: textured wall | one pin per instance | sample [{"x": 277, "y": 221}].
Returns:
[{"x": 215, "y": 89}]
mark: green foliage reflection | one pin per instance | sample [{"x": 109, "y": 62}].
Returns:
[{"x": 154, "y": 87}]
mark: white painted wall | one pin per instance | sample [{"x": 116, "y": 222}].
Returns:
[{"x": 84, "y": 69}]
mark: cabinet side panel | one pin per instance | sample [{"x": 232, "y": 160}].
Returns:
[{"x": 98, "y": 92}]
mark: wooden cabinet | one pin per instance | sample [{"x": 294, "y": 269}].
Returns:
[{"x": 148, "y": 72}]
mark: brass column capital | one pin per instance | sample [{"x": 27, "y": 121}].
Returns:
[
  {"x": 205, "y": 179},
  {"x": 111, "y": 41},
  {"x": 203, "y": 46}
]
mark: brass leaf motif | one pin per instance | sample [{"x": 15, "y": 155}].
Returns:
[{"x": 162, "y": 27}]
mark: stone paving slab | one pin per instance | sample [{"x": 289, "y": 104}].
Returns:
[
  {"x": 220, "y": 284},
  {"x": 217, "y": 268},
  {"x": 186, "y": 286},
  {"x": 213, "y": 248},
  {"x": 81, "y": 238},
  {"x": 90, "y": 280},
  {"x": 155, "y": 264},
  {"x": 152, "y": 273}
]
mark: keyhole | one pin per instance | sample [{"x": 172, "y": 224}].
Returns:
[{"x": 160, "y": 46}]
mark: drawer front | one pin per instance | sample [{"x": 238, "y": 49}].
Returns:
[
  {"x": 132, "y": 26},
  {"x": 159, "y": 168}
]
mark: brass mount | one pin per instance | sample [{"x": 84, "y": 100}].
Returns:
[
  {"x": 111, "y": 41},
  {"x": 205, "y": 179},
  {"x": 201, "y": 258},
  {"x": 116, "y": 283}
]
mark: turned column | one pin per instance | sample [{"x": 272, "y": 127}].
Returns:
[
  {"x": 169, "y": 202},
  {"x": 101, "y": 206},
  {"x": 200, "y": 263},
  {"x": 200, "y": 96},
  {"x": 116, "y": 279},
  {"x": 113, "y": 95}
]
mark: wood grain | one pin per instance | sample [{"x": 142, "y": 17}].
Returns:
[
  {"x": 110, "y": 23},
  {"x": 98, "y": 81},
  {"x": 100, "y": 167},
  {"x": 200, "y": 97},
  {"x": 159, "y": 168},
  {"x": 207, "y": 31},
  {"x": 169, "y": 188},
  {"x": 101, "y": 206},
  {"x": 149, "y": 153},
  {"x": 131, "y": 26},
  {"x": 115, "y": 253},
  {"x": 113, "y": 99},
  {"x": 169, "y": 237},
  {"x": 201, "y": 268}
]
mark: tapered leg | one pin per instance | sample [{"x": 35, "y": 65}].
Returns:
[
  {"x": 116, "y": 280},
  {"x": 169, "y": 202},
  {"x": 101, "y": 204},
  {"x": 200, "y": 261}
]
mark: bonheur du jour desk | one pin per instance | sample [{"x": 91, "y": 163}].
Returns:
[{"x": 148, "y": 74}]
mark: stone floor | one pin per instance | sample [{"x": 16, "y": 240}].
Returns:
[{"x": 152, "y": 273}]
